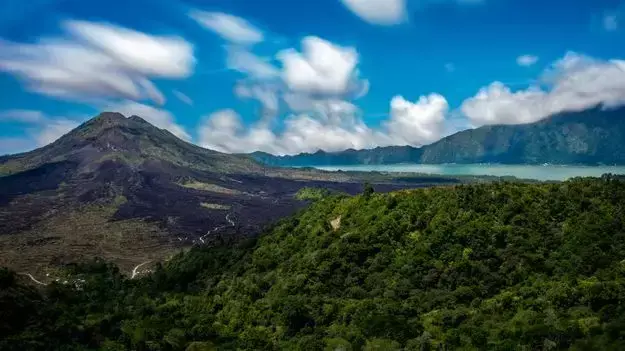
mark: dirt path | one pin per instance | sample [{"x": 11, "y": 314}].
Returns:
[
  {"x": 33, "y": 278},
  {"x": 232, "y": 224},
  {"x": 134, "y": 270},
  {"x": 218, "y": 228}
]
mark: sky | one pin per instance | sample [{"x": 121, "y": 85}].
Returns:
[{"x": 289, "y": 76}]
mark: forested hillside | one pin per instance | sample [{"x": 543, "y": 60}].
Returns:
[{"x": 501, "y": 266}]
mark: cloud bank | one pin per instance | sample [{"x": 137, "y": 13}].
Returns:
[
  {"x": 323, "y": 118},
  {"x": 573, "y": 83}
]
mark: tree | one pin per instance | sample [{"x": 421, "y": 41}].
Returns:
[{"x": 367, "y": 190}]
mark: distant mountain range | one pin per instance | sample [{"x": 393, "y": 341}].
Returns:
[{"x": 590, "y": 137}]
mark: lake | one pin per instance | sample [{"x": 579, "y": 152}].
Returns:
[{"x": 547, "y": 172}]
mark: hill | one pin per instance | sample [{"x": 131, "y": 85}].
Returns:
[
  {"x": 499, "y": 266},
  {"x": 127, "y": 191},
  {"x": 590, "y": 137}
]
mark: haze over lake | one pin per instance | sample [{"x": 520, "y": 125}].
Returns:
[{"x": 538, "y": 172}]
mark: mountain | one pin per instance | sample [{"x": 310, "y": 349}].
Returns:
[
  {"x": 122, "y": 189},
  {"x": 380, "y": 155},
  {"x": 591, "y": 137},
  {"x": 111, "y": 136},
  {"x": 500, "y": 266}
]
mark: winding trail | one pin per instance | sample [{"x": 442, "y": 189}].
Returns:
[
  {"x": 232, "y": 224},
  {"x": 218, "y": 228},
  {"x": 134, "y": 271},
  {"x": 33, "y": 278}
]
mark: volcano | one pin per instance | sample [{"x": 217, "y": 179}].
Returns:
[{"x": 124, "y": 190}]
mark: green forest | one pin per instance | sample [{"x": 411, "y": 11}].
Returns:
[{"x": 499, "y": 266}]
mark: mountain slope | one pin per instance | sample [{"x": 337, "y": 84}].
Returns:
[
  {"x": 118, "y": 187},
  {"x": 124, "y": 190},
  {"x": 502, "y": 266},
  {"x": 113, "y": 136},
  {"x": 593, "y": 136}
]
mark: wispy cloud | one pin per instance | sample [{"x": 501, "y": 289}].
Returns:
[
  {"x": 40, "y": 128},
  {"x": 232, "y": 28},
  {"x": 98, "y": 60},
  {"x": 526, "y": 60},
  {"x": 22, "y": 116},
  {"x": 183, "y": 97},
  {"x": 610, "y": 22}
]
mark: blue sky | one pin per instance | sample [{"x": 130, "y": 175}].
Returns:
[{"x": 288, "y": 76}]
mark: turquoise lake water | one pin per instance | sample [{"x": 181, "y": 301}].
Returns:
[{"x": 546, "y": 172}]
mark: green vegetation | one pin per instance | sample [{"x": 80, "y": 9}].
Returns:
[
  {"x": 209, "y": 187},
  {"x": 501, "y": 266},
  {"x": 311, "y": 194},
  {"x": 214, "y": 206}
]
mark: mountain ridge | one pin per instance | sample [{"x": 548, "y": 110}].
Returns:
[
  {"x": 112, "y": 134},
  {"x": 590, "y": 137}
]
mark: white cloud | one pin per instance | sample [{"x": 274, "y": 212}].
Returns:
[
  {"x": 183, "y": 97},
  {"x": 160, "y": 118},
  {"x": 241, "y": 60},
  {"x": 317, "y": 84},
  {"x": 321, "y": 68},
  {"x": 98, "y": 61},
  {"x": 392, "y": 12},
  {"x": 22, "y": 116},
  {"x": 223, "y": 131},
  {"x": 41, "y": 129},
  {"x": 418, "y": 123},
  {"x": 574, "y": 83},
  {"x": 330, "y": 125},
  {"x": 265, "y": 94},
  {"x": 152, "y": 91},
  {"x": 321, "y": 71},
  {"x": 381, "y": 12},
  {"x": 160, "y": 56},
  {"x": 497, "y": 104},
  {"x": 610, "y": 22},
  {"x": 526, "y": 60},
  {"x": 231, "y": 28},
  {"x": 53, "y": 130}
]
